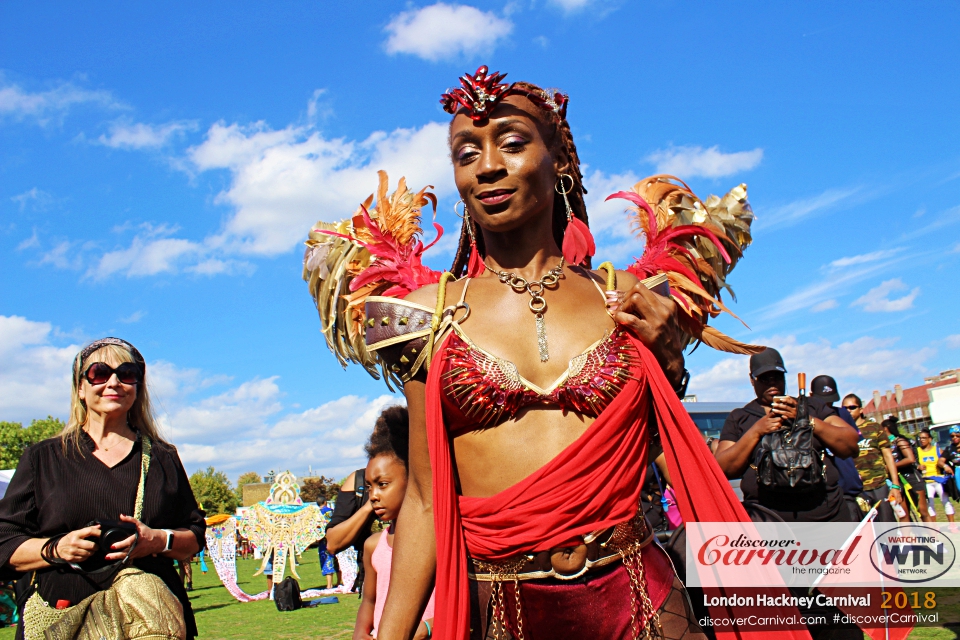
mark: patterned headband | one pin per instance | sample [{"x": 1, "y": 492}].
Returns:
[
  {"x": 479, "y": 94},
  {"x": 96, "y": 344}
]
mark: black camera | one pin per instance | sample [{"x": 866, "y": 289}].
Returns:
[{"x": 112, "y": 532}]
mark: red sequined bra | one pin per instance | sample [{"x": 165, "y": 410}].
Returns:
[{"x": 482, "y": 390}]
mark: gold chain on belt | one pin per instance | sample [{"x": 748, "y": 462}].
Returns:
[{"x": 627, "y": 540}]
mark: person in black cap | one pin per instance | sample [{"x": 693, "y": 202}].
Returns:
[
  {"x": 824, "y": 388},
  {"x": 740, "y": 441}
]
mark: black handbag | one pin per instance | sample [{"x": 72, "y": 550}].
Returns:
[{"x": 787, "y": 461}]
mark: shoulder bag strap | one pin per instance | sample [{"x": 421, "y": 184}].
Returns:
[{"x": 146, "y": 448}]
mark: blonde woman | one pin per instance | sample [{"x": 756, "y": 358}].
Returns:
[{"x": 94, "y": 471}]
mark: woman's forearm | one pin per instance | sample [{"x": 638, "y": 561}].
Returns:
[
  {"x": 414, "y": 567},
  {"x": 342, "y": 536},
  {"x": 734, "y": 459},
  {"x": 27, "y": 556},
  {"x": 184, "y": 545},
  {"x": 836, "y": 435}
]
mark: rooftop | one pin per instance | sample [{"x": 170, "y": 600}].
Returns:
[{"x": 911, "y": 396}]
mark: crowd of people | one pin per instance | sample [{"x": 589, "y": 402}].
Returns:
[{"x": 866, "y": 465}]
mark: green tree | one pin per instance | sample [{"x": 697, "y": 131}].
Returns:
[
  {"x": 313, "y": 489},
  {"x": 250, "y": 477},
  {"x": 14, "y": 438},
  {"x": 213, "y": 490}
]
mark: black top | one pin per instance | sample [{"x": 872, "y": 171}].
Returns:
[
  {"x": 821, "y": 506},
  {"x": 348, "y": 503},
  {"x": 53, "y": 492},
  {"x": 951, "y": 453}
]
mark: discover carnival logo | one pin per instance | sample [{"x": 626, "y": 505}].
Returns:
[
  {"x": 912, "y": 553},
  {"x": 821, "y": 554}
]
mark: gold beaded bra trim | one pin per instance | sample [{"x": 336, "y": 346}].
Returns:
[{"x": 488, "y": 389}]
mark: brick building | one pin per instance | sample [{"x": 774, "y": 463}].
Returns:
[{"x": 912, "y": 405}]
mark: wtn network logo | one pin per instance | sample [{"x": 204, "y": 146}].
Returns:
[{"x": 912, "y": 553}]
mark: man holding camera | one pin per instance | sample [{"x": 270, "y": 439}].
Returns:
[{"x": 740, "y": 445}]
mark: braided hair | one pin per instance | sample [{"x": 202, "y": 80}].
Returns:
[{"x": 554, "y": 124}]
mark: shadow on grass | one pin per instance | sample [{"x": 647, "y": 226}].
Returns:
[{"x": 211, "y": 607}]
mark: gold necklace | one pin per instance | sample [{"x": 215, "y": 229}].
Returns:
[{"x": 537, "y": 304}]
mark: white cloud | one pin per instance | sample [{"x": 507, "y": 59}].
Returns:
[
  {"x": 246, "y": 426},
  {"x": 328, "y": 438},
  {"x": 833, "y": 283},
  {"x": 798, "y": 210},
  {"x": 153, "y": 251},
  {"x": 27, "y": 346},
  {"x": 146, "y": 257},
  {"x": 858, "y": 366},
  {"x": 63, "y": 256},
  {"x": 144, "y": 136},
  {"x": 690, "y": 161},
  {"x": 608, "y": 215},
  {"x": 29, "y": 243},
  {"x": 249, "y": 427},
  {"x": 36, "y": 198},
  {"x": 44, "y": 106},
  {"x": 284, "y": 181},
  {"x": 863, "y": 258},
  {"x": 824, "y": 306},
  {"x": 136, "y": 316},
  {"x": 608, "y": 218},
  {"x": 878, "y": 298},
  {"x": 443, "y": 31},
  {"x": 953, "y": 341},
  {"x": 572, "y": 5}
]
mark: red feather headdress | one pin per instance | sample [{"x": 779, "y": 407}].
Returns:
[{"x": 696, "y": 245}]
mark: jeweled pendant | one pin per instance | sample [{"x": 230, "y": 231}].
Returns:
[{"x": 542, "y": 338}]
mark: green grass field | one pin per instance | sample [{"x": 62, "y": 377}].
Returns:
[{"x": 220, "y": 616}]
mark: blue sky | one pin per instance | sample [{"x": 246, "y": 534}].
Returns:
[{"x": 160, "y": 167}]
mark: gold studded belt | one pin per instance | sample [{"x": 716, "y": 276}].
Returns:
[{"x": 598, "y": 549}]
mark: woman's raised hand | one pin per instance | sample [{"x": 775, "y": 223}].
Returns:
[
  {"x": 654, "y": 319},
  {"x": 76, "y": 546},
  {"x": 151, "y": 542}
]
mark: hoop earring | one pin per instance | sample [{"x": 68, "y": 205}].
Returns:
[
  {"x": 475, "y": 265},
  {"x": 578, "y": 242}
]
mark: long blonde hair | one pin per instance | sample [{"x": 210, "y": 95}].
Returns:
[{"x": 140, "y": 417}]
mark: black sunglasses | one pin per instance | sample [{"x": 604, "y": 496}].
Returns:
[
  {"x": 100, "y": 372},
  {"x": 851, "y": 407}
]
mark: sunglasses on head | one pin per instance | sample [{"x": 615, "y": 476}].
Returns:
[{"x": 100, "y": 373}]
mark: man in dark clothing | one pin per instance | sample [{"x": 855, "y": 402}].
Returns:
[
  {"x": 744, "y": 428},
  {"x": 824, "y": 388},
  {"x": 351, "y": 521}
]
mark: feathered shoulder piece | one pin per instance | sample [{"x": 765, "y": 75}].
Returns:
[
  {"x": 696, "y": 244},
  {"x": 377, "y": 252}
]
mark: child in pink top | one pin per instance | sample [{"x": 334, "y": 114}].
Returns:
[{"x": 386, "y": 477}]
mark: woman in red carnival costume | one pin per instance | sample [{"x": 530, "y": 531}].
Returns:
[{"x": 538, "y": 389}]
